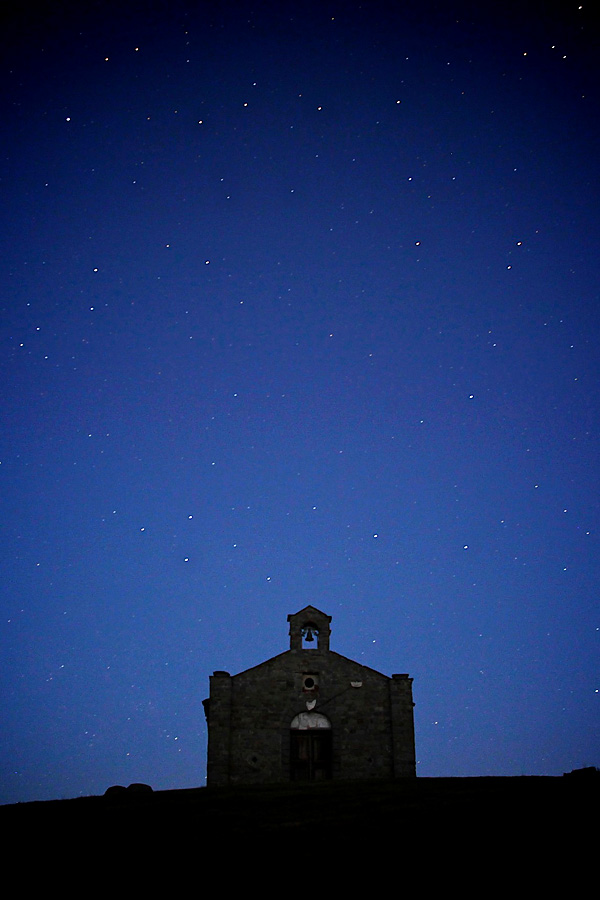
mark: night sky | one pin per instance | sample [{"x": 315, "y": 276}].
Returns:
[{"x": 299, "y": 305}]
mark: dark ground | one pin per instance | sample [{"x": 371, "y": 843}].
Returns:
[
  {"x": 344, "y": 813},
  {"x": 480, "y": 837}
]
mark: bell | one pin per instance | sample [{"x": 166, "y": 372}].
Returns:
[{"x": 309, "y": 634}]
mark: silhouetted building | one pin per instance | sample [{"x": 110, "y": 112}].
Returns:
[{"x": 309, "y": 714}]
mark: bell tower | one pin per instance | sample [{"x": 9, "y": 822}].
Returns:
[{"x": 309, "y": 629}]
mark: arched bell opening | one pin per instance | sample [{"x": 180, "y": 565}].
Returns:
[{"x": 310, "y": 636}]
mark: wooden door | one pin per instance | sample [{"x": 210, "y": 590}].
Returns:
[{"x": 310, "y": 755}]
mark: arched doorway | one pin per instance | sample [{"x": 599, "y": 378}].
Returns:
[{"x": 310, "y": 747}]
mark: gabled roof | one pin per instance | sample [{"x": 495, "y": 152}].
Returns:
[{"x": 309, "y": 609}]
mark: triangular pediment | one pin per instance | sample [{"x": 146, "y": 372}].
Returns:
[{"x": 308, "y": 610}]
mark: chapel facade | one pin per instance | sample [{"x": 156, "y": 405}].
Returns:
[{"x": 309, "y": 714}]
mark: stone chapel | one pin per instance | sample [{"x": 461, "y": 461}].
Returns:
[{"x": 309, "y": 714}]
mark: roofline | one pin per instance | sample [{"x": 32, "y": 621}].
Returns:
[{"x": 316, "y": 653}]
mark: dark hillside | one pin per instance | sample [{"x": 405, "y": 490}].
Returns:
[{"x": 331, "y": 812}]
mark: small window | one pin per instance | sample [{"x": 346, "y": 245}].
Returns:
[{"x": 310, "y": 683}]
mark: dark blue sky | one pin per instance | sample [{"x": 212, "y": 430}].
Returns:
[{"x": 299, "y": 305}]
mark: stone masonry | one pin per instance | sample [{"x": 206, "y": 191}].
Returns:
[{"x": 309, "y": 714}]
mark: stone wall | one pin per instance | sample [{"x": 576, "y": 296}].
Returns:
[{"x": 250, "y": 714}]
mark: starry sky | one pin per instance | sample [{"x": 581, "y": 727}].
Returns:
[{"x": 299, "y": 305}]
